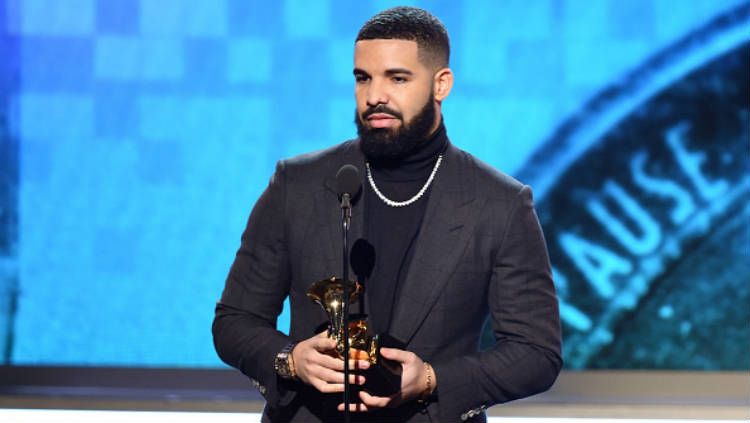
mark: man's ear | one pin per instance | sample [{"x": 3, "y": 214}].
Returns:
[{"x": 442, "y": 83}]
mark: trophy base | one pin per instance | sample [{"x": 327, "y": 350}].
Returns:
[{"x": 383, "y": 378}]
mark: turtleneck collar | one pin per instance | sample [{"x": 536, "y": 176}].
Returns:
[{"x": 418, "y": 164}]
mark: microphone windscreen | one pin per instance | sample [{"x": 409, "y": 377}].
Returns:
[{"x": 347, "y": 180}]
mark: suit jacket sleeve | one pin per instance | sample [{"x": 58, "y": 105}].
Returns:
[
  {"x": 525, "y": 359},
  {"x": 244, "y": 327}
]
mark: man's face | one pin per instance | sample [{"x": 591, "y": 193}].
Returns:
[{"x": 394, "y": 93}]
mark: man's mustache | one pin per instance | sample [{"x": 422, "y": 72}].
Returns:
[{"x": 380, "y": 108}]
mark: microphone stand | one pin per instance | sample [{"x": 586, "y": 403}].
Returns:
[{"x": 346, "y": 216}]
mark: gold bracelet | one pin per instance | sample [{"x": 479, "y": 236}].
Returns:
[
  {"x": 292, "y": 369},
  {"x": 428, "y": 390}
]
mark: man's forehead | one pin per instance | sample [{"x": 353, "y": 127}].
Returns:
[
  {"x": 386, "y": 52},
  {"x": 386, "y": 44}
]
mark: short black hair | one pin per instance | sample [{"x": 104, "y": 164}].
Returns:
[{"x": 413, "y": 24}]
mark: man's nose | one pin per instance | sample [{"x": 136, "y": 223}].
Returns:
[{"x": 376, "y": 94}]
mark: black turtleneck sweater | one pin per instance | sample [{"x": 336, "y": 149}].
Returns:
[{"x": 392, "y": 231}]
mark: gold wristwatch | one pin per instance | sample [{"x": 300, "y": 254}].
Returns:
[{"x": 284, "y": 363}]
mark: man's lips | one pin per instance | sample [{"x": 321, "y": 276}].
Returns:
[{"x": 382, "y": 120}]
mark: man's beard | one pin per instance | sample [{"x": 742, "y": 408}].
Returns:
[{"x": 395, "y": 143}]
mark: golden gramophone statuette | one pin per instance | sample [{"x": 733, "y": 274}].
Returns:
[
  {"x": 384, "y": 376},
  {"x": 329, "y": 294}
]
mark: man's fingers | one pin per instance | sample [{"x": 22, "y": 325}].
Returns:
[
  {"x": 318, "y": 365},
  {"x": 361, "y": 365},
  {"x": 323, "y": 343},
  {"x": 328, "y": 388},
  {"x": 338, "y": 364},
  {"x": 332, "y": 376},
  {"x": 328, "y": 375},
  {"x": 374, "y": 402},
  {"x": 329, "y": 362},
  {"x": 356, "y": 365},
  {"x": 354, "y": 408}
]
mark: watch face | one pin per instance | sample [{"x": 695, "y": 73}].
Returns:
[{"x": 282, "y": 364}]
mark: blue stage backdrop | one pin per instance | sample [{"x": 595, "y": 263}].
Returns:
[{"x": 135, "y": 136}]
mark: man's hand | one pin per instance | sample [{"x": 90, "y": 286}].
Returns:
[
  {"x": 413, "y": 382},
  {"x": 316, "y": 363}
]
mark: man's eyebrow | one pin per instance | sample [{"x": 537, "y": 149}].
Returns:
[
  {"x": 389, "y": 72},
  {"x": 396, "y": 71}
]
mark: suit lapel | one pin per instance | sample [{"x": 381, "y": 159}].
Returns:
[{"x": 449, "y": 220}]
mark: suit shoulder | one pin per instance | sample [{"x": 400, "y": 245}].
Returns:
[
  {"x": 321, "y": 162},
  {"x": 317, "y": 157},
  {"x": 488, "y": 178}
]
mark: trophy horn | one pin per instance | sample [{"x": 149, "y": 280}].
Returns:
[{"x": 329, "y": 294}]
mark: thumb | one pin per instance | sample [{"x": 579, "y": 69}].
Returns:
[{"x": 394, "y": 354}]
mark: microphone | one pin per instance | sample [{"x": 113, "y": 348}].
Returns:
[{"x": 348, "y": 184}]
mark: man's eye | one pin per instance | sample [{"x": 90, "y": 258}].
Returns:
[
  {"x": 360, "y": 78},
  {"x": 399, "y": 79}
]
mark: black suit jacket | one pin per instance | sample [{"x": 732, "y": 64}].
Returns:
[{"x": 480, "y": 253}]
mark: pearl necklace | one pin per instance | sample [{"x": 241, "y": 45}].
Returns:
[{"x": 419, "y": 195}]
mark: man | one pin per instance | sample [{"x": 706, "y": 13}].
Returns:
[{"x": 442, "y": 240}]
